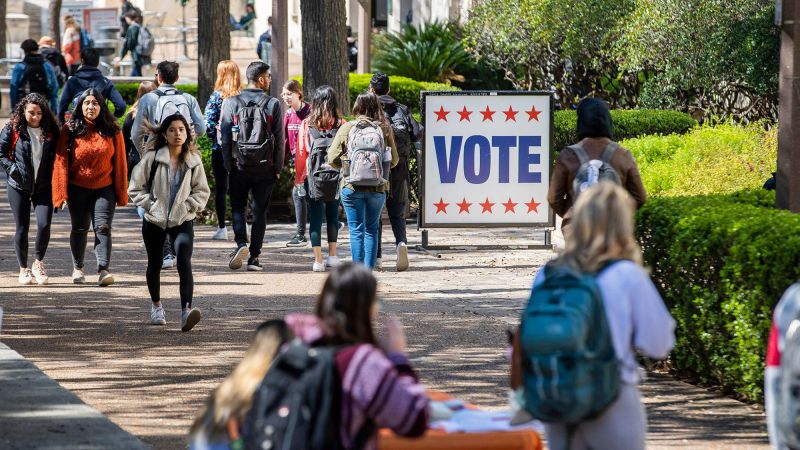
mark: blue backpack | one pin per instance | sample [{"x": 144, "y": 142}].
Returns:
[
  {"x": 570, "y": 370},
  {"x": 86, "y": 40}
]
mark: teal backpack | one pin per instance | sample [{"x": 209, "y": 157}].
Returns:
[{"x": 570, "y": 370}]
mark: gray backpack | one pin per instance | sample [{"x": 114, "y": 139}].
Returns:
[
  {"x": 594, "y": 171},
  {"x": 145, "y": 43},
  {"x": 366, "y": 148}
]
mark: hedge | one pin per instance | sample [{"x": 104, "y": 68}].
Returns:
[{"x": 128, "y": 90}]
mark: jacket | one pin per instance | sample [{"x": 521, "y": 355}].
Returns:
[
  {"x": 19, "y": 167},
  {"x": 71, "y": 46},
  {"x": 230, "y": 108},
  {"x": 291, "y": 128},
  {"x": 212, "y": 113},
  {"x": 84, "y": 78},
  {"x": 338, "y": 153},
  {"x": 146, "y": 111},
  {"x": 54, "y": 57},
  {"x": 191, "y": 198},
  {"x": 264, "y": 43},
  {"x": 131, "y": 39},
  {"x": 390, "y": 105},
  {"x": 19, "y": 71}
]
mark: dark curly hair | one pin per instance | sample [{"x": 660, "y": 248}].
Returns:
[
  {"x": 49, "y": 122},
  {"x": 161, "y": 136},
  {"x": 105, "y": 123}
]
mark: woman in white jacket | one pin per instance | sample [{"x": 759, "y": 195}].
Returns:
[{"x": 170, "y": 185}]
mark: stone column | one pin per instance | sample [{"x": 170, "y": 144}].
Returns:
[{"x": 788, "y": 178}]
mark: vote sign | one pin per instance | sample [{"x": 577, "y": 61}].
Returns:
[{"x": 486, "y": 159}]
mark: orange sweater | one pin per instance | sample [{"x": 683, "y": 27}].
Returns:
[{"x": 96, "y": 162}]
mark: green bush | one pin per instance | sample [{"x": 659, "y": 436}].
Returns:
[{"x": 128, "y": 90}]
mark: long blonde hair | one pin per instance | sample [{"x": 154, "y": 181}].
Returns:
[
  {"x": 229, "y": 79},
  {"x": 602, "y": 229},
  {"x": 232, "y": 398},
  {"x": 70, "y": 22}
]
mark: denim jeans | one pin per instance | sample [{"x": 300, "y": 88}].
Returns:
[
  {"x": 300, "y": 209},
  {"x": 363, "y": 211},
  {"x": 95, "y": 208}
]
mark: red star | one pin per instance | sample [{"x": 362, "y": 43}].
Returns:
[
  {"x": 533, "y": 114},
  {"x": 487, "y": 114},
  {"x": 487, "y": 206},
  {"x": 463, "y": 206},
  {"x": 441, "y": 206},
  {"x": 464, "y": 114},
  {"x": 511, "y": 114},
  {"x": 441, "y": 114},
  {"x": 533, "y": 206},
  {"x": 510, "y": 205}
]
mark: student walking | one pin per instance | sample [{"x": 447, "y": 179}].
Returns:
[
  {"x": 33, "y": 75},
  {"x": 89, "y": 76},
  {"x": 406, "y": 132},
  {"x": 170, "y": 185},
  {"x": 631, "y": 317},
  {"x": 71, "y": 43},
  {"x": 251, "y": 131},
  {"x": 228, "y": 84},
  {"x": 91, "y": 176},
  {"x": 320, "y": 182},
  {"x": 363, "y": 191},
  {"x": 27, "y": 153},
  {"x": 138, "y": 41},
  {"x": 134, "y": 157},
  {"x": 297, "y": 109},
  {"x": 47, "y": 47}
]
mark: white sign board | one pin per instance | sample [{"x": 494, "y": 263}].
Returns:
[
  {"x": 486, "y": 159},
  {"x": 75, "y": 9},
  {"x": 95, "y": 19}
]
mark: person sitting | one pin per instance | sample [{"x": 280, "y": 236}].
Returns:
[{"x": 245, "y": 20}]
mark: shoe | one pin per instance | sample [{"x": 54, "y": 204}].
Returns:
[
  {"x": 25, "y": 276},
  {"x": 157, "y": 315},
  {"x": 297, "y": 241},
  {"x": 331, "y": 261},
  {"x": 253, "y": 265},
  {"x": 378, "y": 264},
  {"x": 39, "y": 274},
  {"x": 318, "y": 267},
  {"x": 78, "y": 277},
  {"x": 237, "y": 256},
  {"x": 221, "y": 234},
  {"x": 105, "y": 278},
  {"x": 190, "y": 318},
  {"x": 169, "y": 261},
  {"x": 341, "y": 225},
  {"x": 402, "y": 257}
]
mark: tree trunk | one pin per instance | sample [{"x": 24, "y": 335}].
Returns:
[
  {"x": 3, "y": 29},
  {"x": 213, "y": 46},
  {"x": 323, "y": 24},
  {"x": 54, "y": 17}
]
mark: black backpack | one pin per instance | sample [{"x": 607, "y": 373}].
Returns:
[
  {"x": 34, "y": 79},
  {"x": 401, "y": 127},
  {"x": 102, "y": 85},
  {"x": 323, "y": 180},
  {"x": 297, "y": 405},
  {"x": 255, "y": 143}
]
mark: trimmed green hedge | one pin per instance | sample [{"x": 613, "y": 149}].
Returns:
[{"x": 128, "y": 90}]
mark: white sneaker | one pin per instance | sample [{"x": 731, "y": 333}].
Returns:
[
  {"x": 105, "y": 278},
  {"x": 318, "y": 267},
  {"x": 332, "y": 261},
  {"x": 378, "y": 264},
  {"x": 25, "y": 276},
  {"x": 402, "y": 257},
  {"x": 221, "y": 234},
  {"x": 190, "y": 318},
  {"x": 78, "y": 277},
  {"x": 39, "y": 273},
  {"x": 157, "y": 316},
  {"x": 168, "y": 262},
  {"x": 237, "y": 257}
]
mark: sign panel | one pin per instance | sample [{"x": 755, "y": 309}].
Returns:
[
  {"x": 96, "y": 18},
  {"x": 75, "y": 9},
  {"x": 486, "y": 159}
]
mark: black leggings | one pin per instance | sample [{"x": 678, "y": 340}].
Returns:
[
  {"x": 21, "y": 208},
  {"x": 95, "y": 207},
  {"x": 183, "y": 238},
  {"x": 220, "y": 187}
]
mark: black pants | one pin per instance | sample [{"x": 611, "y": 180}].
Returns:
[
  {"x": 396, "y": 205},
  {"x": 261, "y": 187},
  {"x": 21, "y": 208},
  {"x": 220, "y": 187},
  {"x": 95, "y": 207},
  {"x": 183, "y": 238}
]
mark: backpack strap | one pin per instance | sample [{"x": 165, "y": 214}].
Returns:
[
  {"x": 152, "y": 176},
  {"x": 14, "y": 139},
  {"x": 583, "y": 157},
  {"x": 608, "y": 152}
]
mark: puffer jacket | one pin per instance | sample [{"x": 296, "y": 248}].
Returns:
[
  {"x": 18, "y": 162},
  {"x": 191, "y": 198}
]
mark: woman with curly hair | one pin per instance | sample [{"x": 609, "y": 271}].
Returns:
[
  {"x": 91, "y": 175},
  {"x": 27, "y": 152}
]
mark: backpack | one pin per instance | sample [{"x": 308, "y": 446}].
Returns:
[
  {"x": 366, "y": 147},
  {"x": 570, "y": 370},
  {"x": 402, "y": 130},
  {"x": 323, "y": 180},
  {"x": 86, "y": 40},
  {"x": 34, "y": 79},
  {"x": 255, "y": 143},
  {"x": 169, "y": 103},
  {"x": 297, "y": 405},
  {"x": 145, "y": 43},
  {"x": 52, "y": 59},
  {"x": 101, "y": 85},
  {"x": 594, "y": 171},
  {"x": 788, "y": 398}
]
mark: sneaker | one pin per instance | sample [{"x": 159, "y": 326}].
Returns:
[
  {"x": 39, "y": 273},
  {"x": 169, "y": 261},
  {"x": 190, "y": 318},
  {"x": 331, "y": 261},
  {"x": 318, "y": 267},
  {"x": 253, "y": 265},
  {"x": 402, "y": 257},
  {"x": 105, "y": 278},
  {"x": 78, "y": 277},
  {"x": 25, "y": 276},
  {"x": 341, "y": 225},
  {"x": 297, "y": 241},
  {"x": 378, "y": 264},
  {"x": 157, "y": 315},
  {"x": 237, "y": 257},
  {"x": 221, "y": 234}
]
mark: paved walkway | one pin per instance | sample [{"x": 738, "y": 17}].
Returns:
[{"x": 151, "y": 380}]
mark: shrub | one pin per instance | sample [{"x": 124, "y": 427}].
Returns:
[{"x": 128, "y": 90}]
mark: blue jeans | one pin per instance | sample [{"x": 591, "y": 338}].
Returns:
[{"x": 363, "y": 211}]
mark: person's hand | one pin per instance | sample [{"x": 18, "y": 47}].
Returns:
[
  {"x": 393, "y": 339},
  {"x": 115, "y": 61}
]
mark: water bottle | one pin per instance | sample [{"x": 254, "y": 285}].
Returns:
[
  {"x": 235, "y": 128},
  {"x": 301, "y": 190},
  {"x": 387, "y": 163}
]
